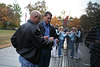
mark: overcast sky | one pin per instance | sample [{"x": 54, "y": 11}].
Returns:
[{"x": 73, "y": 7}]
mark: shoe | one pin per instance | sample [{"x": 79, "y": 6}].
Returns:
[
  {"x": 56, "y": 56},
  {"x": 60, "y": 55},
  {"x": 76, "y": 58}
]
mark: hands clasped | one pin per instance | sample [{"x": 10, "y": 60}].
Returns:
[{"x": 51, "y": 38}]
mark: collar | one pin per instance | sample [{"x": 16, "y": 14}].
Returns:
[
  {"x": 45, "y": 24},
  {"x": 30, "y": 21}
]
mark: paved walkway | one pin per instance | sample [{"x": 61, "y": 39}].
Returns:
[
  {"x": 9, "y": 58},
  {"x": 83, "y": 62}
]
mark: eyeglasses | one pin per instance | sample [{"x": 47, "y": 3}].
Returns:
[{"x": 49, "y": 18}]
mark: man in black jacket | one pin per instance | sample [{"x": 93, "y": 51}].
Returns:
[
  {"x": 47, "y": 30},
  {"x": 28, "y": 41}
]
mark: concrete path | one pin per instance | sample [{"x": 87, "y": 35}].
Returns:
[{"x": 9, "y": 58}]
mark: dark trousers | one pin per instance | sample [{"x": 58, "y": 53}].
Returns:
[
  {"x": 72, "y": 47},
  {"x": 45, "y": 58}
]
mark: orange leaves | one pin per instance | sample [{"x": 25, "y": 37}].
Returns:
[
  {"x": 4, "y": 18},
  {"x": 10, "y": 13},
  {"x": 55, "y": 21},
  {"x": 4, "y": 14},
  {"x": 74, "y": 22},
  {"x": 60, "y": 24}
]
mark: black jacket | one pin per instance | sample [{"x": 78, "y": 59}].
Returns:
[
  {"x": 51, "y": 27},
  {"x": 28, "y": 42},
  {"x": 79, "y": 39}
]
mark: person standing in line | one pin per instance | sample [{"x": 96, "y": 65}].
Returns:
[
  {"x": 72, "y": 36},
  {"x": 62, "y": 35},
  {"x": 47, "y": 30},
  {"x": 78, "y": 41},
  {"x": 28, "y": 41}
]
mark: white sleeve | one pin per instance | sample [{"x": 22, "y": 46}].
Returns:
[
  {"x": 79, "y": 34},
  {"x": 57, "y": 32}
]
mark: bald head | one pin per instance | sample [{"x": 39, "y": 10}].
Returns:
[
  {"x": 35, "y": 16},
  {"x": 34, "y": 13}
]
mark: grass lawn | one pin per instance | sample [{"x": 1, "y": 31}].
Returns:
[{"x": 5, "y": 36}]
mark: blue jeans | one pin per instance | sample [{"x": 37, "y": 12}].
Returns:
[
  {"x": 59, "y": 47},
  {"x": 72, "y": 47},
  {"x": 69, "y": 43},
  {"x": 45, "y": 58},
  {"x": 25, "y": 63}
]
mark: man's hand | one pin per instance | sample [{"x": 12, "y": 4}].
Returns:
[
  {"x": 51, "y": 38},
  {"x": 57, "y": 40},
  {"x": 46, "y": 37}
]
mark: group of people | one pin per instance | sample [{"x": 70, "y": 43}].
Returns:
[
  {"x": 34, "y": 40},
  {"x": 74, "y": 37}
]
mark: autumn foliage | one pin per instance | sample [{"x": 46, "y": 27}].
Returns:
[
  {"x": 55, "y": 21},
  {"x": 9, "y": 15},
  {"x": 74, "y": 22}
]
